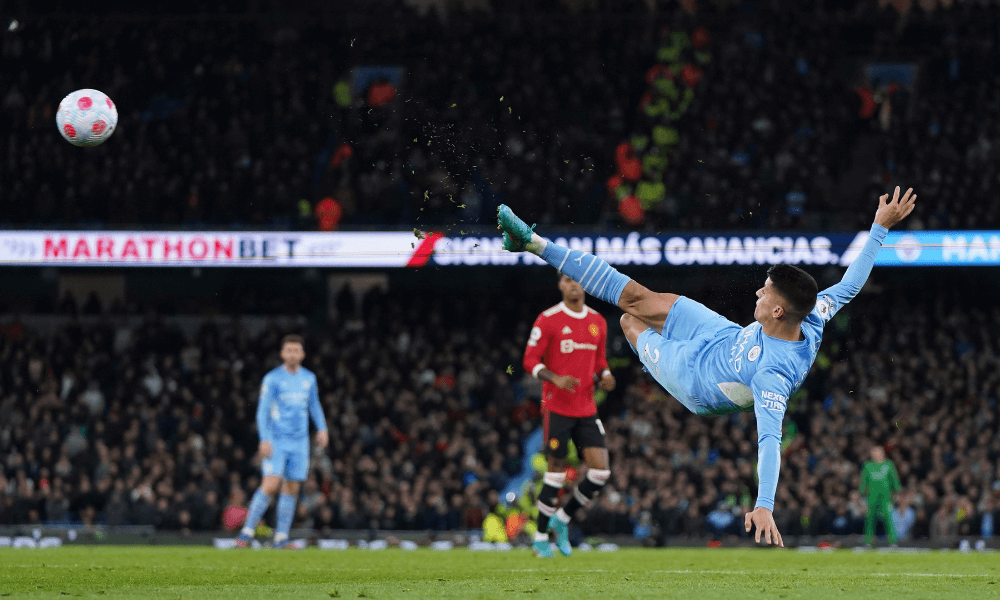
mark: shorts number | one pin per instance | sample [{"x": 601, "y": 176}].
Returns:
[
  {"x": 653, "y": 357},
  {"x": 600, "y": 426}
]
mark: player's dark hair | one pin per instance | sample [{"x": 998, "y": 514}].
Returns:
[
  {"x": 293, "y": 338},
  {"x": 797, "y": 287}
]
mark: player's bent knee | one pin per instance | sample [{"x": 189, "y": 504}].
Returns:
[
  {"x": 591, "y": 485},
  {"x": 632, "y": 327},
  {"x": 645, "y": 303},
  {"x": 270, "y": 484},
  {"x": 599, "y": 476}
]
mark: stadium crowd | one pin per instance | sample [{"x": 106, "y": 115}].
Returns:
[
  {"x": 107, "y": 424},
  {"x": 245, "y": 122},
  {"x": 149, "y": 427},
  {"x": 235, "y": 122}
]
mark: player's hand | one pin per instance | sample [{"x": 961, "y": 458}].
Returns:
[
  {"x": 322, "y": 439},
  {"x": 763, "y": 519},
  {"x": 890, "y": 213},
  {"x": 265, "y": 449},
  {"x": 607, "y": 382},
  {"x": 565, "y": 382}
]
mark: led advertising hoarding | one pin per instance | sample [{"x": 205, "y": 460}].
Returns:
[{"x": 407, "y": 249}]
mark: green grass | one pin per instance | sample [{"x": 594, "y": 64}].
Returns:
[{"x": 196, "y": 572}]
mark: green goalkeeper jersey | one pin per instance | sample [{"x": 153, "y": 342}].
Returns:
[{"x": 879, "y": 480}]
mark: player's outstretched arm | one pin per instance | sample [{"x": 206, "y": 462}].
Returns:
[
  {"x": 763, "y": 520},
  {"x": 771, "y": 391},
  {"x": 889, "y": 214}
]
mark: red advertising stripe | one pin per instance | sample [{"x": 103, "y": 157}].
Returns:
[{"x": 423, "y": 252}]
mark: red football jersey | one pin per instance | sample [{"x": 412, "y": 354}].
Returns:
[{"x": 568, "y": 343}]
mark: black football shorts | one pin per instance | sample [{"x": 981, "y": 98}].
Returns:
[{"x": 586, "y": 432}]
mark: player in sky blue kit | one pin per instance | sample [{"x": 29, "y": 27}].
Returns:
[
  {"x": 710, "y": 364},
  {"x": 288, "y": 397}
]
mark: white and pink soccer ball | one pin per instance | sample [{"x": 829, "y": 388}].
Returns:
[{"x": 86, "y": 118}]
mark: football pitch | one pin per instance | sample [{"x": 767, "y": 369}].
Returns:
[{"x": 195, "y": 572}]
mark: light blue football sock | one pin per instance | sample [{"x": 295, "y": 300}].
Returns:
[
  {"x": 258, "y": 506},
  {"x": 286, "y": 511},
  {"x": 598, "y": 278}
]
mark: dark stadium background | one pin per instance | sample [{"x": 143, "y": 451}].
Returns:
[{"x": 135, "y": 414}]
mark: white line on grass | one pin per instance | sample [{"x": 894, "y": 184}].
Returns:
[
  {"x": 658, "y": 571},
  {"x": 203, "y": 567}
]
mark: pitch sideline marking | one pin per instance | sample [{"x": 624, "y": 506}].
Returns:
[
  {"x": 665, "y": 571},
  {"x": 203, "y": 567}
]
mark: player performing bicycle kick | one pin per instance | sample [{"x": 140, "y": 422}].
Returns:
[{"x": 711, "y": 365}]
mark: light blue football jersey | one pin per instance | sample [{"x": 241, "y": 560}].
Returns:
[
  {"x": 724, "y": 368},
  {"x": 286, "y": 401}
]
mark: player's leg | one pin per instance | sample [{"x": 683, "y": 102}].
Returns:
[
  {"x": 259, "y": 503},
  {"x": 598, "y": 278},
  {"x": 286, "y": 511},
  {"x": 633, "y": 327},
  {"x": 869, "y": 535},
  {"x": 890, "y": 527},
  {"x": 556, "y": 436},
  {"x": 296, "y": 470},
  {"x": 669, "y": 356},
  {"x": 650, "y": 307},
  {"x": 590, "y": 437},
  {"x": 548, "y": 502}
]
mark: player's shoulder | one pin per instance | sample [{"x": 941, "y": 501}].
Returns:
[
  {"x": 551, "y": 311},
  {"x": 308, "y": 374},
  {"x": 826, "y": 307},
  {"x": 550, "y": 315},
  {"x": 274, "y": 373},
  {"x": 594, "y": 315}
]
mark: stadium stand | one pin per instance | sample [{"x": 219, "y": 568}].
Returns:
[
  {"x": 220, "y": 126},
  {"x": 223, "y": 120},
  {"x": 140, "y": 423},
  {"x": 133, "y": 415},
  {"x": 134, "y": 420}
]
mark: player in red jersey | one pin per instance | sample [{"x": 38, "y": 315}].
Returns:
[{"x": 566, "y": 351}]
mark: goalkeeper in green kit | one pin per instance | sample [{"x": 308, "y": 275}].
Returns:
[{"x": 878, "y": 481}]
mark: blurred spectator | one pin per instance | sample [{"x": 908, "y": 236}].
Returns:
[
  {"x": 328, "y": 214},
  {"x": 237, "y": 122},
  {"x": 162, "y": 432},
  {"x": 232, "y": 122},
  {"x": 903, "y": 518}
]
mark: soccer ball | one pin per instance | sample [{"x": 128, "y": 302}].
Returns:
[{"x": 86, "y": 118}]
